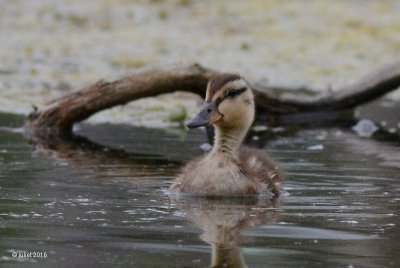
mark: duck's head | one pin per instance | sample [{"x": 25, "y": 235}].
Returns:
[{"x": 229, "y": 103}]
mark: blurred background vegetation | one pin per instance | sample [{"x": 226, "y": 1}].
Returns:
[{"x": 51, "y": 47}]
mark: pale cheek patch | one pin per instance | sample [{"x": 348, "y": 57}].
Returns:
[{"x": 233, "y": 112}]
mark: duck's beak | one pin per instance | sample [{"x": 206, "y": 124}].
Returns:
[{"x": 208, "y": 115}]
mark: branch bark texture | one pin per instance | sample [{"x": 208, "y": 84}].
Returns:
[{"x": 58, "y": 117}]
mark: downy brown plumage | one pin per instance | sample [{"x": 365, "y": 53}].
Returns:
[{"x": 229, "y": 168}]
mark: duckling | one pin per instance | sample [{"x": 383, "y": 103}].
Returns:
[{"x": 229, "y": 168}]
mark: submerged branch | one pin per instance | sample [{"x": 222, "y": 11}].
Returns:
[{"x": 57, "y": 118}]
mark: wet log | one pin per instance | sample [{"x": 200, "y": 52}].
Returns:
[
  {"x": 58, "y": 117},
  {"x": 372, "y": 86}
]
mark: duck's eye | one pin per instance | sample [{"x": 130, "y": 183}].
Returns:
[{"x": 233, "y": 93}]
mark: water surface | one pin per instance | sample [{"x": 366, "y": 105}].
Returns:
[{"x": 108, "y": 208}]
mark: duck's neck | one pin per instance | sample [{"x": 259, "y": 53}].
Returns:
[{"x": 227, "y": 141}]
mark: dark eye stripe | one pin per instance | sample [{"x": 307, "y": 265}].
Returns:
[{"x": 235, "y": 92}]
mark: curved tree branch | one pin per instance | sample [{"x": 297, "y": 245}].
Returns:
[
  {"x": 368, "y": 88},
  {"x": 58, "y": 117}
]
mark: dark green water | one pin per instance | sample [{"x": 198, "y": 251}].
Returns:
[{"x": 104, "y": 208}]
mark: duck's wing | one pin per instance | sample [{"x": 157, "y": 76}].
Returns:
[
  {"x": 184, "y": 178},
  {"x": 257, "y": 165}
]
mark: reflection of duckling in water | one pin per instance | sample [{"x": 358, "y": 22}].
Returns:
[
  {"x": 229, "y": 168},
  {"x": 222, "y": 220}
]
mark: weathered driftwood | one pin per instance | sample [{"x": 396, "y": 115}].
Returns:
[
  {"x": 373, "y": 85},
  {"x": 58, "y": 117}
]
